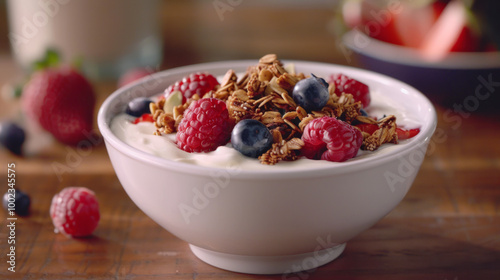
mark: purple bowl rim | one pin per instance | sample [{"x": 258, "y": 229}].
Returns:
[{"x": 409, "y": 56}]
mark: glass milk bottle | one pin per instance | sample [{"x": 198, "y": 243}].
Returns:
[{"x": 108, "y": 36}]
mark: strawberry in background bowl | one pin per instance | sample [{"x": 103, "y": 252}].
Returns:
[{"x": 446, "y": 49}]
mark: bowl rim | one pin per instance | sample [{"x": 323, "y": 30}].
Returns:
[
  {"x": 421, "y": 140},
  {"x": 361, "y": 43}
]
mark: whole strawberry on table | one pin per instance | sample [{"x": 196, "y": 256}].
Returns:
[
  {"x": 60, "y": 100},
  {"x": 57, "y": 99}
]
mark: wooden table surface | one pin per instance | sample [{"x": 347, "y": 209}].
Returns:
[{"x": 446, "y": 228}]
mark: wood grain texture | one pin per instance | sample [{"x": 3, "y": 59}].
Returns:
[{"x": 446, "y": 228}]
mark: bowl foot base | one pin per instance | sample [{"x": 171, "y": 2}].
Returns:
[{"x": 268, "y": 264}]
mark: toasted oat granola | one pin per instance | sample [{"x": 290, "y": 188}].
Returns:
[{"x": 264, "y": 93}]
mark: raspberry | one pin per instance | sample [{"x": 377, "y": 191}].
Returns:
[
  {"x": 75, "y": 211},
  {"x": 205, "y": 126},
  {"x": 330, "y": 139},
  {"x": 196, "y": 83},
  {"x": 346, "y": 84}
]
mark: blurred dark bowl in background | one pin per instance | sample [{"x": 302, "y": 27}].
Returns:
[{"x": 470, "y": 80}]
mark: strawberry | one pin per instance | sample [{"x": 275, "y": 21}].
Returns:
[
  {"x": 407, "y": 133},
  {"x": 367, "y": 127},
  {"x": 61, "y": 101},
  {"x": 351, "y": 13},
  {"x": 378, "y": 21},
  {"x": 144, "y": 118},
  {"x": 467, "y": 41},
  {"x": 454, "y": 31},
  {"x": 401, "y": 132},
  {"x": 416, "y": 20}
]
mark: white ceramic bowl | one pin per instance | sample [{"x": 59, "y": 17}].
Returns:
[{"x": 268, "y": 222}]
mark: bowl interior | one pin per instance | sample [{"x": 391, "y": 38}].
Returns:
[{"x": 408, "y": 98}]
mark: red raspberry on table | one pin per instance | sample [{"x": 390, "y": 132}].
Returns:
[
  {"x": 330, "y": 139},
  {"x": 346, "y": 84},
  {"x": 75, "y": 211},
  {"x": 205, "y": 126},
  {"x": 195, "y": 83}
]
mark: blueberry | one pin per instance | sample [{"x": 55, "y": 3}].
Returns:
[
  {"x": 138, "y": 106},
  {"x": 12, "y": 137},
  {"x": 251, "y": 138},
  {"x": 311, "y": 93},
  {"x": 19, "y": 201}
]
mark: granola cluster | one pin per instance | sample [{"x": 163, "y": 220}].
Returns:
[{"x": 264, "y": 93}]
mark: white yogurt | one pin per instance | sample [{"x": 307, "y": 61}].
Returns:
[{"x": 141, "y": 136}]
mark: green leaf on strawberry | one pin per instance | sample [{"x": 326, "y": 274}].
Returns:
[{"x": 50, "y": 59}]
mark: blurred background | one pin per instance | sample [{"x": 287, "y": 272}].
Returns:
[
  {"x": 187, "y": 32},
  {"x": 431, "y": 44},
  {"x": 448, "y": 49}
]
